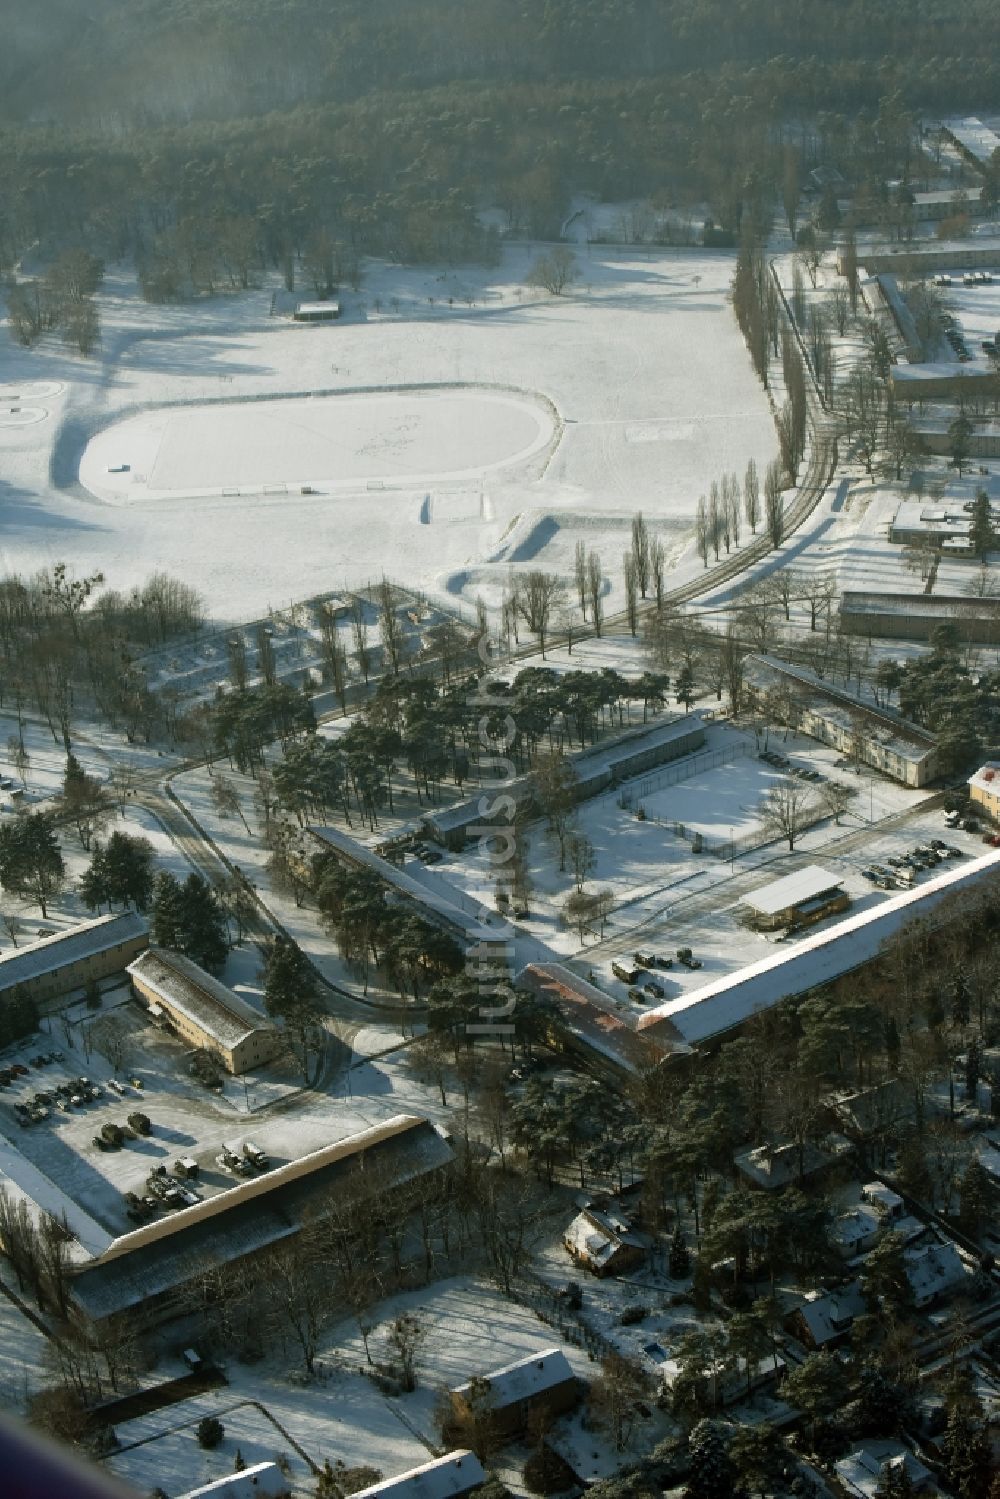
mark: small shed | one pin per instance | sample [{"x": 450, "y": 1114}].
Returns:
[
  {"x": 797, "y": 900},
  {"x": 317, "y": 312}
]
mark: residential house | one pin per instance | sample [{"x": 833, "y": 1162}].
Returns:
[
  {"x": 935, "y": 1271},
  {"x": 449, "y": 1477},
  {"x": 826, "y": 1317},
  {"x": 603, "y": 1242},
  {"x": 864, "y": 1473},
  {"x": 540, "y": 1381}
]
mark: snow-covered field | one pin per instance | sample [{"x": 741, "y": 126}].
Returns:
[
  {"x": 383, "y": 439},
  {"x": 642, "y": 361}
]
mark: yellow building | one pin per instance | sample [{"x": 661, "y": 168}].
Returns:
[
  {"x": 984, "y": 789},
  {"x": 203, "y": 1011}
]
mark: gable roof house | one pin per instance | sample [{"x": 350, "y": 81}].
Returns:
[
  {"x": 603, "y": 1242},
  {"x": 542, "y": 1380}
]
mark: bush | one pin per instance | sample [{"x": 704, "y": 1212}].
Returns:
[
  {"x": 633, "y": 1314},
  {"x": 210, "y": 1432},
  {"x": 546, "y": 1473}
]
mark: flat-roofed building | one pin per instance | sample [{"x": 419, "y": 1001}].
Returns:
[
  {"x": 69, "y": 960},
  {"x": 317, "y": 312},
  {"x": 203, "y": 1011},
  {"x": 797, "y": 900},
  {"x": 147, "y": 1272}
]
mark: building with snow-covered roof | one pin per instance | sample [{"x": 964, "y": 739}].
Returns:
[
  {"x": 774, "y": 1167},
  {"x": 449, "y": 1477},
  {"x": 603, "y": 1242},
  {"x": 203, "y": 1011},
  {"x": 976, "y": 140},
  {"x": 316, "y": 312},
  {"x": 71, "y": 959},
  {"x": 798, "y": 899},
  {"x": 913, "y": 616},
  {"x": 147, "y": 1272},
  {"x": 935, "y": 1272},
  {"x": 864, "y": 1474},
  {"x": 600, "y": 766},
  {"x": 588, "y": 1021},
  {"x": 884, "y": 1200},
  {"x": 826, "y": 1317},
  {"x": 855, "y": 1231},
  {"x": 258, "y": 1481},
  {"x": 855, "y": 726},
  {"x": 701, "y": 1015},
  {"x": 540, "y": 1381},
  {"x": 984, "y": 788}
]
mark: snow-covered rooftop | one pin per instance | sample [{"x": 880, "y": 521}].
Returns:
[
  {"x": 817, "y": 959},
  {"x": 101, "y": 935},
  {"x": 443, "y": 1478},
  {"x": 793, "y": 890},
  {"x": 253, "y": 1214},
  {"x": 987, "y": 778},
  {"x": 259, "y": 1481},
  {"x": 828, "y": 1316},
  {"x": 220, "y": 1013},
  {"x": 979, "y": 139},
  {"x": 528, "y": 1377}
]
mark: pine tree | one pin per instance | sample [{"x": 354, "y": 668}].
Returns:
[
  {"x": 679, "y": 1263},
  {"x": 966, "y": 1452}
]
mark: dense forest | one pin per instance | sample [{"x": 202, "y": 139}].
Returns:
[{"x": 150, "y": 127}]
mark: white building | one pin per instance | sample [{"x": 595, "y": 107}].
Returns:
[
  {"x": 448, "y": 1477},
  {"x": 863, "y": 1473},
  {"x": 260, "y": 1481}
]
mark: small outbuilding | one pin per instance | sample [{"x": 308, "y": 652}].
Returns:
[
  {"x": 317, "y": 312},
  {"x": 797, "y": 900}
]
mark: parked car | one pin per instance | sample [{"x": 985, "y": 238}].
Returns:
[{"x": 654, "y": 989}]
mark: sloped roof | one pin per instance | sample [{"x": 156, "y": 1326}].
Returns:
[
  {"x": 221, "y": 1013},
  {"x": 87, "y": 940},
  {"x": 730, "y": 1001},
  {"x": 527, "y": 1377},
  {"x": 455, "y": 1473},
  {"x": 257, "y": 1212}
]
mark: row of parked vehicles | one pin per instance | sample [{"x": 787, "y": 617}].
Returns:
[
  {"x": 903, "y": 868},
  {"x": 640, "y": 972},
  {"x": 62, "y": 1096},
  {"x": 782, "y": 762},
  {"x": 13, "y": 1070}
]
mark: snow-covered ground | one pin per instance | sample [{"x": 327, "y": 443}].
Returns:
[
  {"x": 641, "y": 359},
  {"x": 469, "y": 1327}
]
